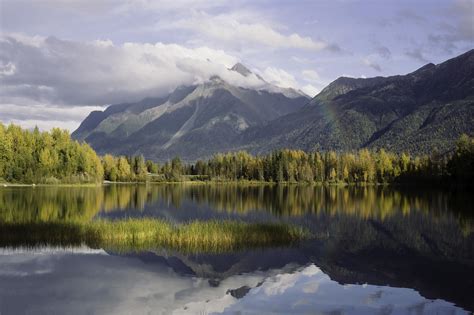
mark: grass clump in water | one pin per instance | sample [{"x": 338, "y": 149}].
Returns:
[{"x": 148, "y": 234}]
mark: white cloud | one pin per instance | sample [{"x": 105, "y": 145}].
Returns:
[
  {"x": 7, "y": 69},
  {"x": 315, "y": 82},
  {"x": 372, "y": 64},
  {"x": 49, "y": 77},
  {"x": 310, "y": 90},
  {"x": 99, "y": 72},
  {"x": 237, "y": 30},
  {"x": 44, "y": 125},
  {"x": 44, "y": 116},
  {"x": 279, "y": 77},
  {"x": 160, "y": 5},
  {"x": 119, "y": 6},
  {"x": 43, "y": 112},
  {"x": 301, "y": 60},
  {"x": 311, "y": 75}
]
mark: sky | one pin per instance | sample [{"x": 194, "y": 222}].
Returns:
[{"x": 61, "y": 59}]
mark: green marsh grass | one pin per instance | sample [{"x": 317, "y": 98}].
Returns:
[{"x": 148, "y": 234}]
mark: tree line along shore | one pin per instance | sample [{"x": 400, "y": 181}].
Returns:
[{"x": 35, "y": 157}]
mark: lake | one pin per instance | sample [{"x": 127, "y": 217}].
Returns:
[{"x": 373, "y": 250}]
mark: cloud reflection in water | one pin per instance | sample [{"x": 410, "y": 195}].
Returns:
[{"x": 78, "y": 282}]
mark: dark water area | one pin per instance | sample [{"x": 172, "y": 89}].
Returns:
[{"x": 375, "y": 250}]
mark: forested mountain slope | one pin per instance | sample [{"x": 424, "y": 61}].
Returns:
[{"x": 419, "y": 112}]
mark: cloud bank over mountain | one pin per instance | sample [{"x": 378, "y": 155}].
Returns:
[
  {"x": 61, "y": 75},
  {"x": 62, "y": 54}
]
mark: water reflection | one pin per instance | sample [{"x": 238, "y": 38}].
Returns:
[
  {"x": 23, "y": 204},
  {"x": 107, "y": 284},
  {"x": 378, "y": 235},
  {"x": 309, "y": 290}
]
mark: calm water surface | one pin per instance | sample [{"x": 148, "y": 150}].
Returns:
[{"x": 377, "y": 250}]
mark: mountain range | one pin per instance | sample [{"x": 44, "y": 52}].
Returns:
[
  {"x": 192, "y": 121},
  {"x": 419, "y": 112}
]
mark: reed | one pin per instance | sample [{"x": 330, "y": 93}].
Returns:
[{"x": 148, "y": 234}]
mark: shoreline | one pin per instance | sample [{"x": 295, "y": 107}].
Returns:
[
  {"x": 211, "y": 182},
  {"x": 237, "y": 183}
]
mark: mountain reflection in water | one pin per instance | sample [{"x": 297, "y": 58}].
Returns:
[
  {"x": 375, "y": 250},
  {"x": 83, "y": 282}
]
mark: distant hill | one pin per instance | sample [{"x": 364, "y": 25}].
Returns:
[{"x": 420, "y": 112}]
